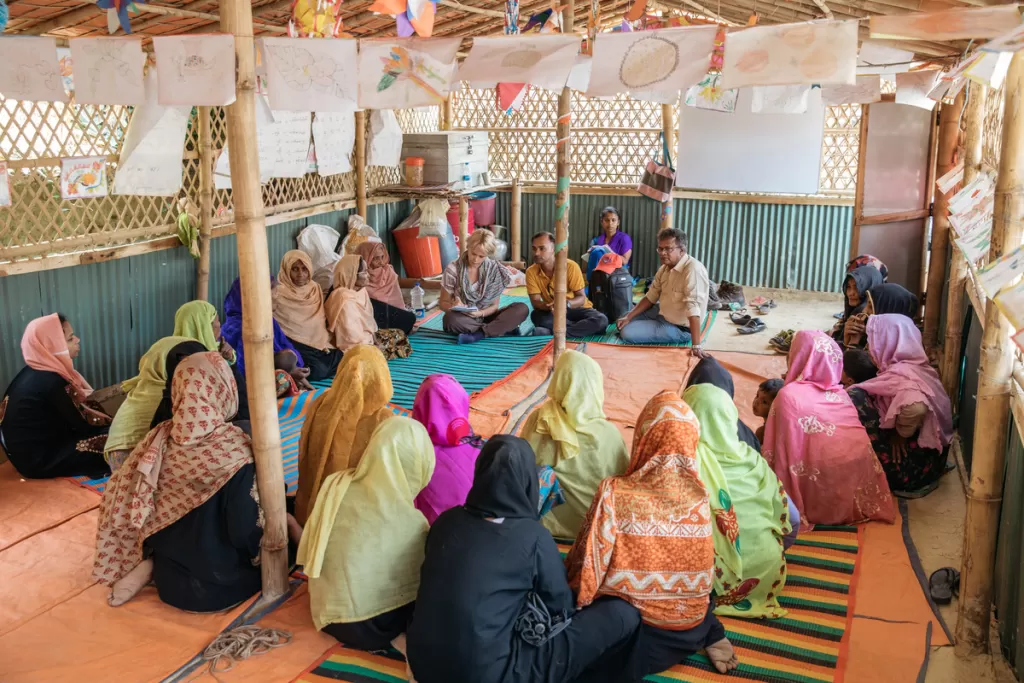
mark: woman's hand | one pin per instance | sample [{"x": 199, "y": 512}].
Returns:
[
  {"x": 95, "y": 417},
  {"x": 854, "y": 329},
  {"x": 226, "y": 352}
]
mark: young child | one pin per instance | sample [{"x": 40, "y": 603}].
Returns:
[
  {"x": 857, "y": 367},
  {"x": 766, "y": 393}
]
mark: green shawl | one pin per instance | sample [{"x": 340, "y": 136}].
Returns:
[{"x": 750, "y": 510}]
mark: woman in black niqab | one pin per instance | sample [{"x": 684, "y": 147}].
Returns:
[{"x": 710, "y": 371}]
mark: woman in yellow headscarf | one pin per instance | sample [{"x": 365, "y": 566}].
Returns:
[
  {"x": 340, "y": 422},
  {"x": 363, "y": 544},
  {"x": 570, "y": 434},
  {"x": 145, "y": 390}
]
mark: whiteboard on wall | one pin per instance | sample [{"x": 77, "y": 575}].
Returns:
[{"x": 746, "y": 152}]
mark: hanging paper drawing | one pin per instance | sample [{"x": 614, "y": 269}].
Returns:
[
  {"x": 109, "y": 70},
  {"x": 709, "y": 95},
  {"x": 311, "y": 75},
  {"x": 664, "y": 60},
  {"x": 64, "y": 62},
  {"x": 5, "y": 185},
  {"x": 866, "y": 90},
  {"x": 780, "y": 99},
  {"x": 951, "y": 179},
  {"x": 406, "y": 72},
  {"x": 83, "y": 178},
  {"x": 996, "y": 275},
  {"x": 30, "y": 70},
  {"x": 541, "y": 60},
  {"x": 334, "y": 137},
  {"x": 792, "y": 54},
  {"x": 1012, "y": 41},
  {"x": 384, "y": 147},
  {"x": 913, "y": 87},
  {"x": 951, "y": 24},
  {"x": 195, "y": 70},
  {"x": 1011, "y": 303}
]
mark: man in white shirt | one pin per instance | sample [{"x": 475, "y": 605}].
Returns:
[{"x": 677, "y": 302}]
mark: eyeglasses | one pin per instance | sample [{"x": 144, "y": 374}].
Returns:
[{"x": 667, "y": 250}]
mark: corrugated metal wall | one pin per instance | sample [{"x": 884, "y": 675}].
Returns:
[
  {"x": 968, "y": 403},
  {"x": 120, "y": 307},
  {"x": 758, "y": 245},
  {"x": 1008, "y": 586}
]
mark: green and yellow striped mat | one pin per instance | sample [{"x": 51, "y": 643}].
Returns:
[{"x": 807, "y": 646}]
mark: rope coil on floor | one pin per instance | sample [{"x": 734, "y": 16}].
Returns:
[{"x": 240, "y": 643}]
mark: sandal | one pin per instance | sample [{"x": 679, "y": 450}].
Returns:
[
  {"x": 753, "y": 326},
  {"x": 782, "y": 341},
  {"x": 764, "y": 309},
  {"x": 740, "y": 318},
  {"x": 943, "y": 584}
]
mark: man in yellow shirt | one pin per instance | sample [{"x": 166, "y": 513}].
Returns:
[
  {"x": 581, "y": 318},
  {"x": 676, "y": 303}
]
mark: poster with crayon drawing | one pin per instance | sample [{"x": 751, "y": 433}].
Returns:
[
  {"x": 399, "y": 73},
  {"x": 996, "y": 275},
  {"x": 950, "y": 24},
  {"x": 308, "y": 75},
  {"x": 666, "y": 60},
  {"x": 196, "y": 70},
  {"x": 815, "y": 53},
  {"x": 83, "y": 177},
  {"x": 109, "y": 71},
  {"x": 541, "y": 60},
  {"x": 708, "y": 94},
  {"x": 29, "y": 70}
]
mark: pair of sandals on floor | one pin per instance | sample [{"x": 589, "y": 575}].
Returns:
[{"x": 747, "y": 323}]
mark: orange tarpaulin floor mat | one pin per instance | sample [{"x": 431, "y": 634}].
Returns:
[
  {"x": 28, "y": 506},
  {"x": 84, "y": 639},
  {"x": 46, "y": 569}
]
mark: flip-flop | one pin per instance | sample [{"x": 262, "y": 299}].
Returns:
[
  {"x": 755, "y": 325},
  {"x": 740, "y": 318},
  {"x": 764, "y": 309},
  {"x": 943, "y": 584}
]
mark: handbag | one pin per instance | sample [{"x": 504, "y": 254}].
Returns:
[{"x": 659, "y": 177}]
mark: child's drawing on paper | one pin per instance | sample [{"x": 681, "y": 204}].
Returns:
[
  {"x": 950, "y": 24},
  {"x": 64, "y": 63},
  {"x": 794, "y": 54},
  {"x": 109, "y": 70},
  {"x": 195, "y": 70},
  {"x": 709, "y": 95},
  {"x": 666, "y": 60},
  {"x": 398, "y": 74},
  {"x": 83, "y": 178},
  {"x": 30, "y": 70},
  {"x": 311, "y": 75},
  {"x": 541, "y": 60}
]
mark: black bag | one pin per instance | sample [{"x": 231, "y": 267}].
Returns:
[{"x": 612, "y": 294}]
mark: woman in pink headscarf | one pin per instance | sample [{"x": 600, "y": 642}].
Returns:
[
  {"x": 904, "y": 408},
  {"x": 814, "y": 441},
  {"x": 442, "y": 406}
]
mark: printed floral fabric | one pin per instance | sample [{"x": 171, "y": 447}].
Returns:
[
  {"x": 908, "y": 466},
  {"x": 647, "y": 538},
  {"x": 176, "y": 468},
  {"x": 550, "y": 493},
  {"x": 816, "y": 444}
]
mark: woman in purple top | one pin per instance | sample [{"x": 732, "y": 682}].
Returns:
[{"x": 612, "y": 236}]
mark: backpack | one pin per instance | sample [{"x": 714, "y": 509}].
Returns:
[{"x": 612, "y": 294}]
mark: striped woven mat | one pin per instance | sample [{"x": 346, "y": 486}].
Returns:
[{"x": 807, "y": 646}]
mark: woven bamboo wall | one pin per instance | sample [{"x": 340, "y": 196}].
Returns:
[
  {"x": 34, "y": 136},
  {"x": 613, "y": 139},
  {"x": 992, "y": 137}
]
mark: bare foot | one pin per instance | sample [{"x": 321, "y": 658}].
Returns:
[
  {"x": 130, "y": 584},
  {"x": 399, "y": 644},
  {"x": 294, "y": 530},
  {"x": 722, "y": 656}
]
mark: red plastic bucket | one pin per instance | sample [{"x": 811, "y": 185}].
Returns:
[
  {"x": 482, "y": 205},
  {"x": 421, "y": 256},
  {"x": 453, "y": 220}
]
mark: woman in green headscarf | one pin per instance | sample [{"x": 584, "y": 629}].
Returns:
[
  {"x": 198, "y": 320},
  {"x": 570, "y": 434},
  {"x": 749, "y": 506}
]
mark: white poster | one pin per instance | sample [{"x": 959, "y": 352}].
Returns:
[
  {"x": 780, "y": 99},
  {"x": 150, "y": 161},
  {"x": 913, "y": 87},
  {"x": 310, "y": 75},
  {"x": 5, "y": 185},
  {"x": 950, "y": 24},
  {"x": 579, "y": 77},
  {"x": 384, "y": 148},
  {"x": 866, "y": 90},
  {"x": 950, "y": 180},
  {"x": 196, "y": 70},
  {"x": 747, "y": 152},
  {"x": 399, "y": 73},
  {"x": 708, "y": 94},
  {"x": 83, "y": 178},
  {"x": 334, "y": 138},
  {"x": 972, "y": 194},
  {"x": 811, "y": 53},
  {"x": 990, "y": 69},
  {"x": 667, "y": 60},
  {"x": 282, "y": 139},
  {"x": 541, "y": 60},
  {"x": 29, "y": 70},
  {"x": 1011, "y": 303},
  {"x": 975, "y": 245},
  {"x": 995, "y": 276},
  {"x": 108, "y": 70}
]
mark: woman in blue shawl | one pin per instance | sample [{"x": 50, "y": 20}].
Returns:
[{"x": 287, "y": 360}]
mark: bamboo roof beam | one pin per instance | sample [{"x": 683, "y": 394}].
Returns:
[
  {"x": 142, "y": 26},
  {"x": 824, "y": 8},
  {"x": 72, "y": 18}
]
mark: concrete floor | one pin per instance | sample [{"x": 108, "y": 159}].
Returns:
[{"x": 795, "y": 310}]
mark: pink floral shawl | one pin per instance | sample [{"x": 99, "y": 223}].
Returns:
[
  {"x": 905, "y": 377},
  {"x": 814, "y": 441}
]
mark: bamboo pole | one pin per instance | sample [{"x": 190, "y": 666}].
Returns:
[
  {"x": 974, "y": 117},
  {"x": 361, "y": 163},
  {"x": 563, "y": 151},
  {"x": 858, "y": 201},
  {"x": 205, "y": 204},
  {"x": 949, "y": 134},
  {"x": 992, "y": 421},
  {"x": 448, "y": 111},
  {"x": 257, "y": 327},
  {"x": 516, "y": 229},
  {"x": 667, "y": 130},
  {"x": 463, "y": 224}
]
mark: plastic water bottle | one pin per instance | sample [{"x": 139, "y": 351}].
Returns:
[
  {"x": 466, "y": 175},
  {"x": 417, "y": 301}
]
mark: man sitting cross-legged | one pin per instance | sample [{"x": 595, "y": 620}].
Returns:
[{"x": 581, "y": 318}]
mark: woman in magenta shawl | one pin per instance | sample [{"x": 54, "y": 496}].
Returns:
[
  {"x": 442, "y": 406},
  {"x": 814, "y": 441},
  {"x": 904, "y": 408}
]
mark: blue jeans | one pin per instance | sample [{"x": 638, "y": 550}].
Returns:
[{"x": 650, "y": 328}]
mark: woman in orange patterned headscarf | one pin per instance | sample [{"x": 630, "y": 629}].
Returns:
[{"x": 648, "y": 540}]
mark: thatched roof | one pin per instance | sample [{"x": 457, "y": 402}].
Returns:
[{"x": 71, "y": 18}]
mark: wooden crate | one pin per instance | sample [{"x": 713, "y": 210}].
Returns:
[{"x": 445, "y": 152}]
